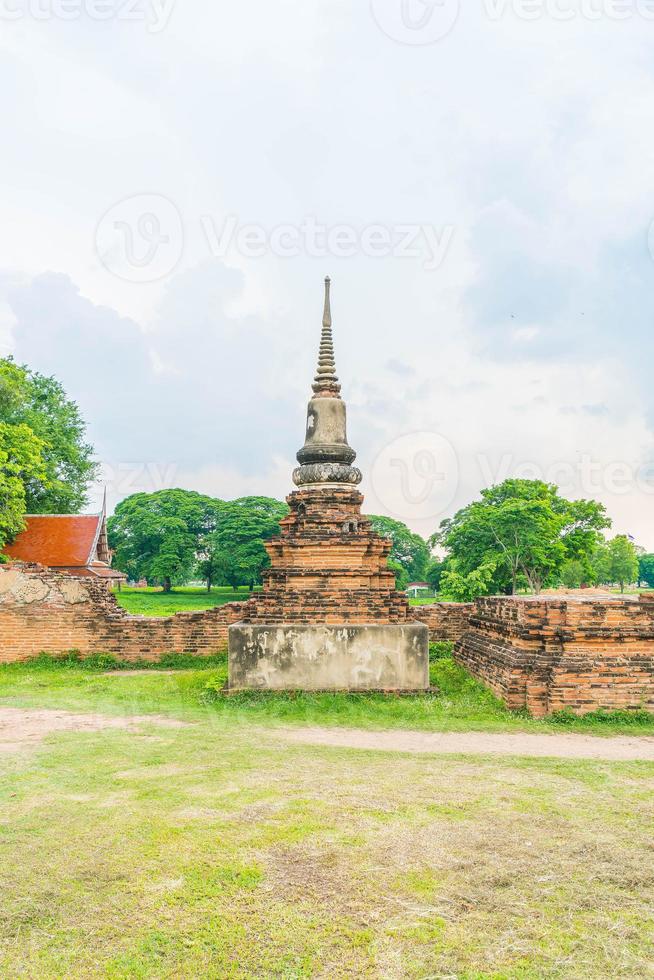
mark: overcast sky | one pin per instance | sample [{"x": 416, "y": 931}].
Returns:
[{"x": 178, "y": 178}]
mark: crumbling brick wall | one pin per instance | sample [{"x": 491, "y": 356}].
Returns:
[
  {"x": 548, "y": 653},
  {"x": 447, "y": 621},
  {"x": 42, "y": 611}
]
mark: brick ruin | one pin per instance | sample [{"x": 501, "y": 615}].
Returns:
[
  {"x": 44, "y": 611},
  {"x": 329, "y": 616},
  {"x": 549, "y": 654},
  {"x": 544, "y": 654},
  {"x": 328, "y": 566},
  {"x": 329, "y": 574}
]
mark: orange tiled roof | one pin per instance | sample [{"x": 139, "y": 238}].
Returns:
[{"x": 58, "y": 541}]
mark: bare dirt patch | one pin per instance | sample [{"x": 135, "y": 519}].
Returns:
[
  {"x": 23, "y": 727},
  {"x": 558, "y": 746}
]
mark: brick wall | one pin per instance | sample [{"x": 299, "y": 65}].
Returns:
[
  {"x": 545, "y": 654},
  {"x": 549, "y": 654},
  {"x": 447, "y": 621},
  {"x": 42, "y": 611}
]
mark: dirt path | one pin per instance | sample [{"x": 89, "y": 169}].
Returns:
[
  {"x": 559, "y": 746},
  {"x": 22, "y": 727}
]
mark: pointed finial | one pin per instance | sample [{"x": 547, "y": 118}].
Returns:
[
  {"x": 327, "y": 313},
  {"x": 326, "y": 380}
]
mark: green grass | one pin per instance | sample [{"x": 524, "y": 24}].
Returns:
[
  {"x": 154, "y": 602},
  {"x": 217, "y": 849},
  {"x": 461, "y": 703}
]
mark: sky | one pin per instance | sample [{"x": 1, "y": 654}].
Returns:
[{"x": 478, "y": 181}]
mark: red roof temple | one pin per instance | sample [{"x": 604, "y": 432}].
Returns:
[{"x": 72, "y": 543}]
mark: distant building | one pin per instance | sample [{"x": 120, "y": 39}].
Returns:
[
  {"x": 75, "y": 544},
  {"x": 414, "y": 588}
]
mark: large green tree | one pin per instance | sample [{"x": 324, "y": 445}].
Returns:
[
  {"x": 520, "y": 532},
  {"x": 622, "y": 563},
  {"x": 234, "y": 553},
  {"x": 434, "y": 573},
  {"x": 409, "y": 549},
  {"x": 160, "y": 536},
  {"x": 21, "y": 464},
  {"x": 646, "y": 569},
  {"x": 27, "y": 398}
]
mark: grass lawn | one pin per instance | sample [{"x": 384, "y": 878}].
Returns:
[
  {"x": 218, "y": 849},
  {"x": 154, "y": 602}
]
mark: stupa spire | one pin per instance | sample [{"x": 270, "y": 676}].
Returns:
[
  {"x": 326, "y": 379},
  {"x": 326, "y": 456}
]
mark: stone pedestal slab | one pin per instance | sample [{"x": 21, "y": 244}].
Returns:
[{"x": 345, "y": 657}]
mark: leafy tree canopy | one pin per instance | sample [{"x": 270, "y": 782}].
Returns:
[
  {"x": 457, "y": 586},
  {"x": 409, "y": 550},
  {"x": 646, "y": 569},
  {"x": 401, "y": 577},
  {"x": 435, "y": 571},
  {"x": 520, "y": 532},
  {"x": 617, "y": 561},
  {"x": 234, "y": 553},
  {"x": 29, "y": 399},
  {"x": 159, "y": 536},
  {"x": 21, "y": 464}
]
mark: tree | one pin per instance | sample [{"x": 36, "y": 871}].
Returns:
[
  {"x": 459, "y": 587},
  {"x": 646, "y": 570},
  {"x": 573, "y": 573},
  {"x": 28, "y": 398},
  {"x": 21, "y": 464},
  {"x": 401, "y": 575},
  {"x": 522, "y": 529},
  {"x": 234, "y": 551},
  {"x": 434, "y": 574},
  {"x": 160, "y": 536},
  {"x": 623, "y": 561},
  {"x": 600, "y": 564},
  {"x": 409, "y": 550}
]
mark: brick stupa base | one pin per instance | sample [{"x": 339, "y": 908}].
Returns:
[{"x": 329, "y": 617}]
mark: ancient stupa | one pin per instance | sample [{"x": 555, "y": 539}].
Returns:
[{"x": 328, "y": 617}]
